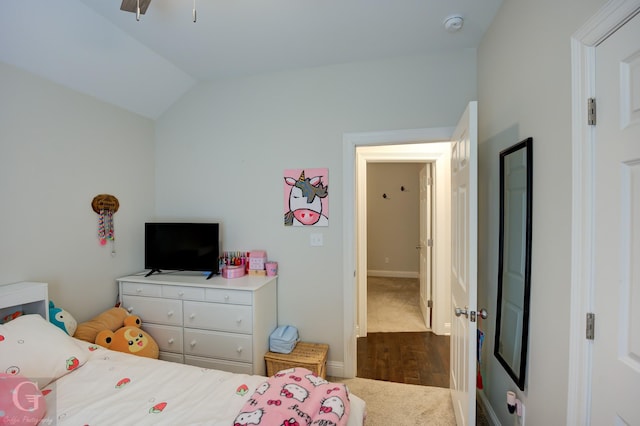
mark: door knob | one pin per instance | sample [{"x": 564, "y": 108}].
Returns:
[
  {"x": 462, "y": 311},
  {"x": 481, "y": 313}
]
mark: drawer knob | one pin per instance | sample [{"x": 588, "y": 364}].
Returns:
[
  {"x": 226, "y": 298},
  {"x": 193, "y": 343},
  {"x": 130, "y": 309},
  {"x": 170, "y": 313},
  {"x": 192, "y": 316},
  {"x": 170, "y": 341},
  {"x": 138, "y": 290},
  {"x": 239, "y": 321},
  {"x": 239, "y": 350},
  {"x": 181, "y": 293}
]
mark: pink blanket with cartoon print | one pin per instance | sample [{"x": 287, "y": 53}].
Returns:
[{"x": 296, "y": 397}]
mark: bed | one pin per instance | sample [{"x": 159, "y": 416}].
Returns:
[{"x": 85, "y": 384}]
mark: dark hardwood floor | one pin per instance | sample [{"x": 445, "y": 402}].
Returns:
[{"x": 419, "y": 358}]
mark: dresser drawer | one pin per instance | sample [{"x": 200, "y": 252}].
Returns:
[
  {"x": 141, "y": 289},
  {"x": 186, "y": 293},
  {"x": 218, "y": 316},
  {"x": 214, "y": 344},
  {"x": 236, "y": 297},
  {"x": 168, "y": 338},
  {"x": 153, "y": 310}
]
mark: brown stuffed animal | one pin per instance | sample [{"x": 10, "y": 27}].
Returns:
[
  {"x": 130, "y": 339},
  {"x": 111, "y": 319}
]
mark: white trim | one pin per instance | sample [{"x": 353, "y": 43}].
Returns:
[
  {"x": 392, "y": 274},
  {"x": 488, "y": 409},
  {"x": 583, "y": 46},
  {"x": 335, "y": 369},
  {"x": 350, "y": 264}
]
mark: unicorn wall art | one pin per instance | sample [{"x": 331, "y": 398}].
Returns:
[{"x": 306, "y": 201}]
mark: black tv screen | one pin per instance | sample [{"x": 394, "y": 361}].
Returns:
[{"x": 181, "y": 246}]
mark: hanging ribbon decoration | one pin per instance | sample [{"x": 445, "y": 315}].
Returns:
[
  {"x": 101, "y": 234},
  {"x": 105, "y": 206}
]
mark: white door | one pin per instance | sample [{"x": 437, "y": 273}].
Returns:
[
  {"x": 464, "y": 243},
  {"x": 424, "y": 245},
  {"x": 615, "y": 380}
]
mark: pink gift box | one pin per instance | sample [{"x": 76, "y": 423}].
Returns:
[
  {"x": 257, "y": 259},
  {"x": 233, "y": 271}
]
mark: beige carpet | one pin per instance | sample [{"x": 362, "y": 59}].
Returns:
[
  {"x": 393, "y": 305},
  {"x": 398, "y": 404}
]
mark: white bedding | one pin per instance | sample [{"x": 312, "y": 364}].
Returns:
[{"x": 117, "y": 388}]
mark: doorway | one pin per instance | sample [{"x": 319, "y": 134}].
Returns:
[
  {"x": 398, "y": 284},
  {"x": 397, "y": 342},
  {"x": 438, "y": 290},
  {"x": 420, "y": 145}
]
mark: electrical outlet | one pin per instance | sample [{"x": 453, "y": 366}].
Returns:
[{"x": 386, "y": 260}]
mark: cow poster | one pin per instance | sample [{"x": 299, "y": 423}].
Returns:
[{"x": 306, "y": 197}]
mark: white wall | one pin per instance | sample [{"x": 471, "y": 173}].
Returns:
[
  {"x": 58, "y": 149},
  {"x": 222, "y": 149},
  {"x": 524, "y": 89},
  {"x": 393, "y": 223}
]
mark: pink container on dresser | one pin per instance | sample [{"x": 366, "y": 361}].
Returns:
[{"x": 233, "y": 271}]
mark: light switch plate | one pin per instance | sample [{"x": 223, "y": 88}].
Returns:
[{"x": 316, "y": 240}]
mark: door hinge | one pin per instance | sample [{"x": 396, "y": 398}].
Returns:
[
  {"x": 429, "y": 180},
  {"x": 591, "y": 325},
  {"x": 591, "y": 111},
  {"x": 429, "y": 303},
  {"x": 430, "y": 242}
]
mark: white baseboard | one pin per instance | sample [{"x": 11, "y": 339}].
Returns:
[
  {"x": 447, "y": 329},
  {"x": 393, "y": 274},
  {"x": 336, "y": 369},
  {"x": 488, "y": 409}
]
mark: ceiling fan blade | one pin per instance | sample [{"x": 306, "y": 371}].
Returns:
[{"x": 131, "y": 5}]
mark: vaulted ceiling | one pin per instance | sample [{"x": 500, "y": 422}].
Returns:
[{"x": 145, "y": 66}]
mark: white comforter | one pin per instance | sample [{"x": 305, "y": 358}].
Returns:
[{"x": 116, "y": 388}]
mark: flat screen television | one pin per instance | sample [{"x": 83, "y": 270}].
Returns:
[{"x": 181, "y": 246}]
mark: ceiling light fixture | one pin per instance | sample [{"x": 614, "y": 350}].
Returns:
[{"x": 139, "y": 7}]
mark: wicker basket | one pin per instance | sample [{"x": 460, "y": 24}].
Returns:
[{"x": 312, "y": 356}]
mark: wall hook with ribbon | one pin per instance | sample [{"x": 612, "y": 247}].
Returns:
[{"x": 105, "y": 205}]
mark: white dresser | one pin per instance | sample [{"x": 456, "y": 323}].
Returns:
[{"x": 217, "y": 323}]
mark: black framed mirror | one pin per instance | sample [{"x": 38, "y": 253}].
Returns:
[{"x": 514, "y": 259}]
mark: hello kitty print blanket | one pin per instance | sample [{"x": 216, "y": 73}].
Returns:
[{"x": 296, "y": 397}]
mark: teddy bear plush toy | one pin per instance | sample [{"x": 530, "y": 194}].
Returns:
[
  {"x": 129, "y": 339},
  {"x": 117, "y": 330}
]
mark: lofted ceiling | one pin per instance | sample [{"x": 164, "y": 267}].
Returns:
[{"x": 145, "y": 66}]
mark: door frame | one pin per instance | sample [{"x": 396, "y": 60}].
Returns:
[
  {"x": 352, "y": 257},
  {"x": 426, "y": 226},
  {"x": 609, "y": 18}
]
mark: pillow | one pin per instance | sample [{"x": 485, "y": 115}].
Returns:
[
  {"x": 21, "y": 402},
  {"x": 33, "y": 347}
]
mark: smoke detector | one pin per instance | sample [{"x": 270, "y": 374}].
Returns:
[{"x": 453, "y": 23}]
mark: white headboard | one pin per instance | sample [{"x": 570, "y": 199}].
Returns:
[{"x": 26, "y": 297}]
